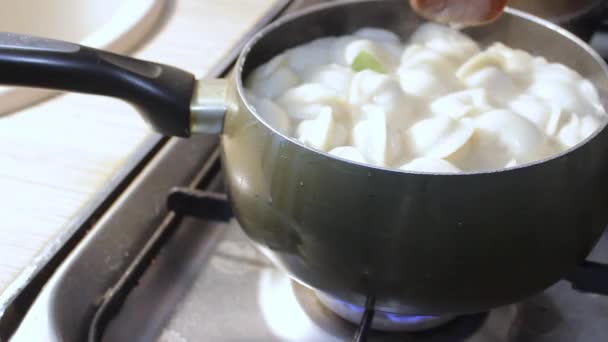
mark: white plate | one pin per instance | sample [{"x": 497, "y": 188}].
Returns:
[{"x": 115, "y": 25}]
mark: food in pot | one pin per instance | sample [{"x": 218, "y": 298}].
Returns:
[{"x": 439, "y": 103}]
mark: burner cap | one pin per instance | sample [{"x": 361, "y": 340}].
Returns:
[{"x": 383, "y": 321}]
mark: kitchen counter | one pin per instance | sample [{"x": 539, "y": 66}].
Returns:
[{"x": 58, "y": 157}]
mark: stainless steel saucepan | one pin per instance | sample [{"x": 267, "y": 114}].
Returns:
[
  {"x": 419, "y": 243},
  {"x": 581, "y": 17}
]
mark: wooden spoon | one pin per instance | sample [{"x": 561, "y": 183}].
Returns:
[{"x": 460, "y": 13}]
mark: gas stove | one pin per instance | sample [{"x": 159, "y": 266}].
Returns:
[
  {"x": 165, "y": 260},
  {"x": 236, "y": 294},
  {"x": 199, "y": 279}
]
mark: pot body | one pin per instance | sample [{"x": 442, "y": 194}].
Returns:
[
  {"x": 420, "y": 243},
  {"x": 581, "y": 17}
]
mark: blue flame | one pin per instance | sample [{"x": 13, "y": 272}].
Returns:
[
  {"x": 353, "y": 307},
  {"x": 396, "y": 318},
  {"x": 407, "y": 319}
]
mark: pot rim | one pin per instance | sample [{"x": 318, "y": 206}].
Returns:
[{"x": 321, "y": 7}]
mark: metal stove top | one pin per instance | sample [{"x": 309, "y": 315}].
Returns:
[{"x": 233, "y": 293}]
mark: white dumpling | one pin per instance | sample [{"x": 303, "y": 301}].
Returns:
[
  {"x": 322, "y": 133},
  {"x": 433, "y": 165},
  {"x": 369, "y": 135},
  {"x": 390, "y": 42},
  {"x": 425, "y": 73},
  {"x": 554, "y": 72},
  {"x": 460, "y": 104},
  {"x": 565, "y": 95},
  {"x": 531, "y": 108},
  {"x": 307, "y": 94},
  {"x": 511, "y": 163},
  {"x": 589, "y": 92},
  {"x": 396, "y": 152},
  {"x": 272, "y": 79},
  {"x": 439, "y": 137},
  {"x": 305, "y": 57},
  {"x": 417, "y": 55},
  {"x": 337, "y": 52},
  {"x": 438, "y": 104},
  {"x": 446, "y": 41},
  {"x": 577, "y": 129},
  {"x": 523, "y": 139},
  {"x": 309, "y": 112},
  {"x": 589, "y": 125},
  {"x": 546, "y": 116},
  {"x": 271, "y": 113},
  {"x": 484, "y": 151},
  {"x": 569, "y": 135},
  {"x": 332, "y": 76},
  {"x": 516, "y": 63},
  {"x": 555, "y": 118},
  {"x": 387, "y": 60},
  {"x": 423, "y": 82},
  {"x": 365, "y": 85},
  {"x": 399, "y": 107},
  {"x": 499, "y": 85},
  {"x": 369, "y": 87},
  {"x": 348, "y": 153}
]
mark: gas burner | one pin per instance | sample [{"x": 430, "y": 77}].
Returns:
[{"x": 382, "y": 321}]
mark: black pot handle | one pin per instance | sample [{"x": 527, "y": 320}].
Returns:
[{"x": 161, "y": 93}]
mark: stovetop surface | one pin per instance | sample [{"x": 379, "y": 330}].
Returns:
[{"x": 231, "y": 292}]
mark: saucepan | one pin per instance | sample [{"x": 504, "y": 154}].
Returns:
[
  {"x": 420, "y": 243},
  {"x": 581, "y": 17}
]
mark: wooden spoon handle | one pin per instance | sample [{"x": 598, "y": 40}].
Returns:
[{"x": 460, "y": 12}]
